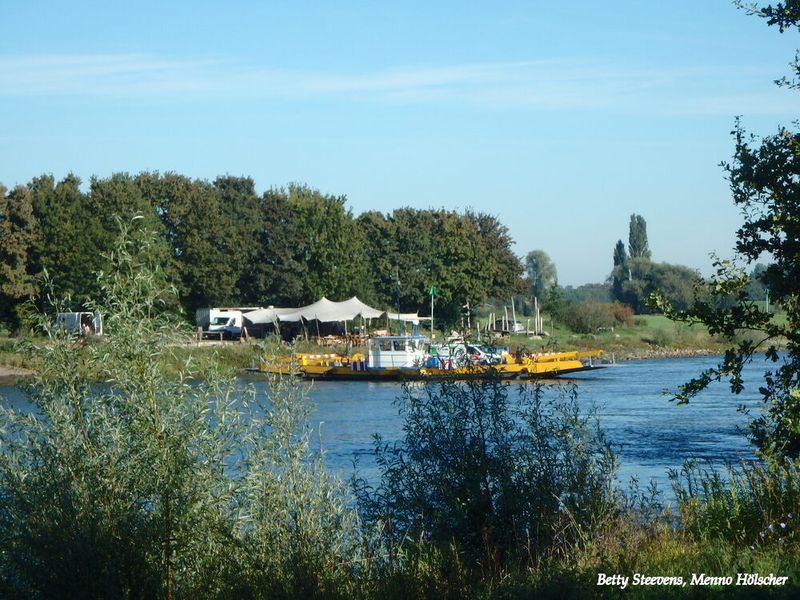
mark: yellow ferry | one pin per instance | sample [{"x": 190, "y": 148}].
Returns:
[{"x": 408, "y": 358}]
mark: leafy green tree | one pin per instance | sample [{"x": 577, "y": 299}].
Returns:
[
  {"x": 620, "y": 255},
  {"x": 418, "y": 262},
  {"x": 467, "y": 258},
  {"x": 555, "y": 304},
  {"x": 461, "y": 272},
  {"x": 332, "y": 252},
  {"x": 756, "y": 288},
  {"x": 199, "y": 232},
  {"x": 675, "y": 282},
  {"x": 121, "y": 198},
  {"x": 275, "y": 277},
  {"x": 637, "y": 238},
  {"x": 504, "y": 267},
  {"x": 380, "y": 251},
  {"x": 67, "y": 246},
  {"x": 635, "y": 277},
  {"x": 542, "y": 273},
  {"x": 495, "y": 473},
  {"x": 18, "y": 234},
  {"x": 764, "y": 178},
  {"x": 240, "y": 213}
]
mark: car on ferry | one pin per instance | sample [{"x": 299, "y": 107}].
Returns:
[{"x": 462, "y": 354}]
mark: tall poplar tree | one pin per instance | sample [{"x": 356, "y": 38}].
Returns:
[
  {"x": 637, "y": 238},
  {"x": 619, "y": 272}
]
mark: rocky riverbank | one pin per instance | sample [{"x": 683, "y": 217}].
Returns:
[{"x": 662, "y": 352}]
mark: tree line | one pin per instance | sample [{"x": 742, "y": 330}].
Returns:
[{"x": 221, "y": 243}]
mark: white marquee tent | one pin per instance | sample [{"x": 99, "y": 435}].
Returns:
[{"x": 326, "y": 311}]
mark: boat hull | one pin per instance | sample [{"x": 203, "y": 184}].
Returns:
[{"x": 523, "y": 370}]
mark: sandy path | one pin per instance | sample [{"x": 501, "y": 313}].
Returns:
[{"x": 13, "y": 371}]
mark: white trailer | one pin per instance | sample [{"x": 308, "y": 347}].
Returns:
[{"x": 80, "y": 323}]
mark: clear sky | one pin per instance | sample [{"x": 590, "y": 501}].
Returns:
[{"x": 559, "y": 118}]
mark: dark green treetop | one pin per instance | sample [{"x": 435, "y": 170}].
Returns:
[{"x": 620, "y": 255}]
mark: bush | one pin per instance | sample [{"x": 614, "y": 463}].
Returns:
[
  {"x": 495, "y": 477},
  {"x": 124, "y": 481},
  {"x": 589, "y": 317}
]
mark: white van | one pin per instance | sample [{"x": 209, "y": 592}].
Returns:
[{"x": 228, "y": 323}]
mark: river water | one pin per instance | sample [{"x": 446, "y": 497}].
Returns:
[{"x": 650, "y": 433}]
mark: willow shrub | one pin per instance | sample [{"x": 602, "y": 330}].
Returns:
[
  {"x": 490, "y": 473},
  {"x": 123, "y": 481}
]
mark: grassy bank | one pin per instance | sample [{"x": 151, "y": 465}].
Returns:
[
  {"x": 650, "y": 336},
  {"x": 627, "y": 549}
]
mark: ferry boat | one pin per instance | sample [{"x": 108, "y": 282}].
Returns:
[{"x": 414, "y": 358}]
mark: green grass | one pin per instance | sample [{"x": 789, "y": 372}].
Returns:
[{"x": 649, "y": 335}]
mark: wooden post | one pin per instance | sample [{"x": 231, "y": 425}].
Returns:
[{"x": 513, "y": 315}]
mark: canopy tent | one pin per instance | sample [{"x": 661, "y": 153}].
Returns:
[
  {"x": 357, "y": 307},
  {"x": 267, "y": 315},
  {"x": 406, "y": 317},
  {"x": 325, "y": 311}
]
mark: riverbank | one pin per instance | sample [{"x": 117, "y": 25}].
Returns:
[
  {"x": 648, "y": 337},
  {"x": 639, "y": 344}
]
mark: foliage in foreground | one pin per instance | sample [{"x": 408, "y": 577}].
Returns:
[
  {"x": 752, "y": 504},
  {"x": 147, "y": 485},
  {"x": 502, "y": 476},
  {"x": 765, "y": 184}
]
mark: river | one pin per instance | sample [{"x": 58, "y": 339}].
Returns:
[{"x": 650, "y": 433}]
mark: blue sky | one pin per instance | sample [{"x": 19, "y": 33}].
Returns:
[{"x": 561, "y": 119}]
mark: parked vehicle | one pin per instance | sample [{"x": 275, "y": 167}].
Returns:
[
  {"x": 80, "y": 323},
  {"x": 508, "y": 326},
  {"x": 227, "y": 323},
  {"x": 466, "y": 354}
]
